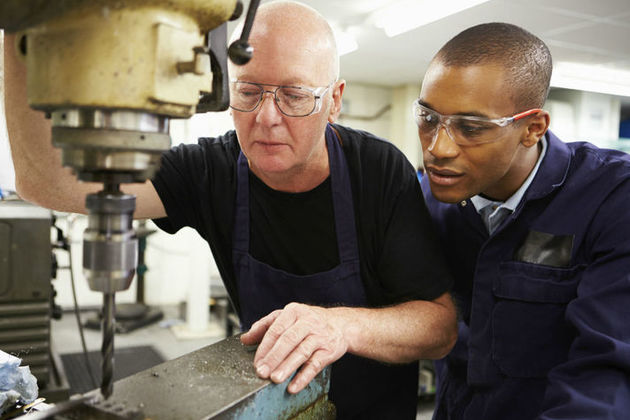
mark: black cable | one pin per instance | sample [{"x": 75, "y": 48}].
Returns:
[
  {"x": 76, "y": 313},
  {"x": 63, "y": 243}
]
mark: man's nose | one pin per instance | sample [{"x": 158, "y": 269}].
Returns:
[
  {"x": 443, "y": 146},
  {"x": 268, "y": 111}
]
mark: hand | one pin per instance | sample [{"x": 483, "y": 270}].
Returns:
[{"x": 298, "y": 335}]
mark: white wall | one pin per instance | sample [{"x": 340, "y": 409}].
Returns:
[
  {"x": 363, "y": 107},
  {"x": 362, "y": 101},
  {"x": 404, "y": 132},
  {"x": 585, "y": 116}
]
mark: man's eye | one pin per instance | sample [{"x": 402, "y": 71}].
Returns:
[
  {"x": 470, "y": 129},
  {"x": 249, "y": 92},
  {"x": 294, "y": 95}
]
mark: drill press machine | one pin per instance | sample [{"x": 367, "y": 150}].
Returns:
[{"x": 110, "y": 74}]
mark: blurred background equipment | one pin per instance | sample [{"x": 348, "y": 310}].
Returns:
[{"x": 26, "y": 294}]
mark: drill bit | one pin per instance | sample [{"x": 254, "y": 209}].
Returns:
[
  {"x": 107, "y": 350},
  {"x": 110, "y": 256}
]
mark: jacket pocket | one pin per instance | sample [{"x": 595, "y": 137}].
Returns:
[{"x": 529, "y": 332}]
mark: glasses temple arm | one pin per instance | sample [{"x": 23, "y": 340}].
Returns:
[{"x": 526, "y": 114}]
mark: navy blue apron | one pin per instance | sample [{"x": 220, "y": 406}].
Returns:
[{"x": 357, "y": 384}]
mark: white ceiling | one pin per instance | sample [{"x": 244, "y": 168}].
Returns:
[{"x": 583, "y": 31}]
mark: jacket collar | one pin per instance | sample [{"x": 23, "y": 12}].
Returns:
[{"x": 553, "y": 169}]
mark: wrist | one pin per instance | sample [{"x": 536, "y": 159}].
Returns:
[{"x": 348, "y": 322}]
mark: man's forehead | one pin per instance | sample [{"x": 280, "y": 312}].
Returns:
[
  {"x": 467, "y": 90},
  {"x": 473, "y": 75},
  {"x": 294, "y": 66},
  {"x": 282, "y": 70}
]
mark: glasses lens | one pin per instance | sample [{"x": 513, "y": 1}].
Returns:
[
  {"x": 463, "y": 130},
  {"x": 244, "y": 96},
  {"x": 294, "y": 101},
  {"x": 427, "y": 121},
  {"x": 468, "y": 131}
]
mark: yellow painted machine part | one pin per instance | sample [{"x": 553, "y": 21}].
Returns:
[
  {"x": 120, "y": 55},
  {"x": 21, "y": 14}
]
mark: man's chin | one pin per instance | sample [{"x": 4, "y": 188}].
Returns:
[
  {"x": 270, "y": 165},
  {"x": 446, "y": 194}
]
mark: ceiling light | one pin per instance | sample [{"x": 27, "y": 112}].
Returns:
[
  {"x": 406, "y": 15},
  {"x": 591, "y": 78}
]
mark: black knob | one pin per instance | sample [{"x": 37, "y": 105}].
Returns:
[
  {"x": 238, "y": 11},
  {"x": 240, "y": 52}
]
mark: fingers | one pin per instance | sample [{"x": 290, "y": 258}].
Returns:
[
  {"x": 279, "y": 338},
  {"x": 259, "y": 328},
  {"x": 299, "y": 335},
  {"x": 318, "y": 361},
  {"x": 302, "y": 353}
]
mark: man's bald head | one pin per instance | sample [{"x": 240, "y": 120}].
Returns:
[
  {"x": 524, "y": 56},
  {"x": 293, "y": 25}
]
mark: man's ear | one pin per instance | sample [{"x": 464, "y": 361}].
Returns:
[
  {"x": 335, "y": 108},
  {"x": 537, "y": 126}
]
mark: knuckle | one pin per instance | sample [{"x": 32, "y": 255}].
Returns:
[
  {"x": 275, "y": 329},
  {"x": 316, "y": 365},
  {"x": 291, "y": 336},
  {"x": 274, "y": 314},
  {"x": 293, "y": 306},
  {"x": 305, "y": 351},
  {"x": 256, "y": 324},
  {"x": 273, "y": 359},
  {"x": 309, "y": 371}
]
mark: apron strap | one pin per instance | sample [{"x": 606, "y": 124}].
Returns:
[
  {"x": 241, "y": 215},
  {"x": 343, "y": 202}
]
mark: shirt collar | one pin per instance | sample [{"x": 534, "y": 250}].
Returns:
[{"x": 510, "y": 204}]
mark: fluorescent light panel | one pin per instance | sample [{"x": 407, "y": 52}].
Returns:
[
  {"x": 591, "y": 78},
  {"x": 406, "y": 15}
]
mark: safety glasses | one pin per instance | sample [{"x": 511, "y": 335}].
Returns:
[{"x": 463, "y": 129}]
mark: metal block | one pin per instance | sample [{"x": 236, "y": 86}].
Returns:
[{"x": 215, "y": 382}]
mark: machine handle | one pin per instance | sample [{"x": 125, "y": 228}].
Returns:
[{"x": 240, "y": 51}]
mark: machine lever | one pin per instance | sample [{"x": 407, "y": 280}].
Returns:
[{"x": 240, "y": 51}]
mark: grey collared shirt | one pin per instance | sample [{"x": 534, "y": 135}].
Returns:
[{"x": 494, "y": 212}]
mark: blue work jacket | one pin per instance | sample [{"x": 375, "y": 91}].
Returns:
[{"x": 544, "y": 301}]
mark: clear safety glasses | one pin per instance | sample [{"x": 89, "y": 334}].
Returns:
[
  {"x": 463, "y": 129},
  {"x": 292, "y": 101}
]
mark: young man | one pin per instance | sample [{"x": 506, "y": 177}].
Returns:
[
  {"x": 315, "y": 227},
  {"x": 538, "y": 235}
]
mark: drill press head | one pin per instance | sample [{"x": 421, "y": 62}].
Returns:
[{"x": 110, "y": 74}]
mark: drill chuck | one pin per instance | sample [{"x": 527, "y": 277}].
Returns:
[{"x": 110, "y": 245}]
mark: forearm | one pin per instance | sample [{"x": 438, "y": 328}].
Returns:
[
  {"x": 313, "y": 337},
  {"x": 40, "y": 177},
  {"x": 402, "y": 333}
]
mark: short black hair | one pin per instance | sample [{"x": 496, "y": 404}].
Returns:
[{"x": 525, "y": 57}]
